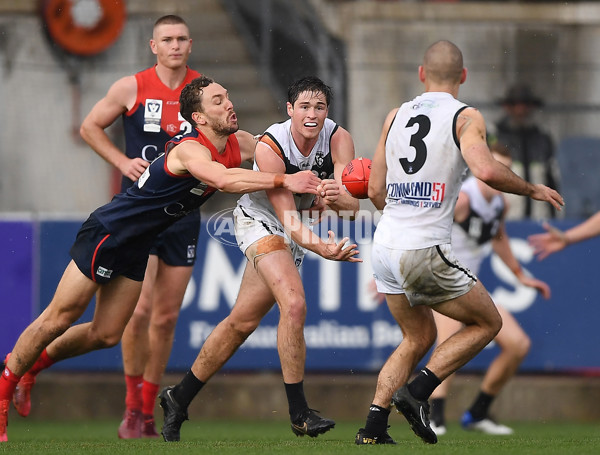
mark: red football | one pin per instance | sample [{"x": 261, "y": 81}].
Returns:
[{"x": 355, "y": 177}]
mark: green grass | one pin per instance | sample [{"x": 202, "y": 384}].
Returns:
[{"x": 275, "y": 437}]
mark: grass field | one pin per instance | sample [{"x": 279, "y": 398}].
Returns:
[{"x": 268, "y": 437}]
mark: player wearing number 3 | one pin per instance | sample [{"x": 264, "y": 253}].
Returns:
[{"x": 427, "y": 144}]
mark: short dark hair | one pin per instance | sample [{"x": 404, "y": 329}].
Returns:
[
  {"x": 190, "y": 99},
  {"x": 170, "y": 19},
  {"x": 310, "y": 84}
]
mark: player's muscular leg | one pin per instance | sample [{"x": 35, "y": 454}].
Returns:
[
  {"x": 482, "y": 322},
  {"x": 115, "y": 302},
  {"x": 514, "y": 346},
  {"x": 135, "y": 341},
  {"x": 70, "y": 300},
  {"x": 446, "y": 327},
  {"x": 279, "y": 273},
  {"x": 418, "y": 329},
  {"x": 169, "y": 288},
  {"x": 253, "y": 302}
]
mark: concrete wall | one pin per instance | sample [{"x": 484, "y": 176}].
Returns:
[
  {"x": 44, "y": 164},
  {"x": 552, "y": 46},
  {"x": 344, "y": 397},
  {"x": 44, "y": 167}
]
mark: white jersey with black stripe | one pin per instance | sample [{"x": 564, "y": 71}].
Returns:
[
  {"x": 279, "y": 138},
  {"x": 471, "y": 238},
  {"x": 425, "y": 169}
]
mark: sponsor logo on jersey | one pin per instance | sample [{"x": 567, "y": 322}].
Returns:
[
  {"x": 199, "y": 189},
  {"x": 152, "y": 115},
  {"x": 427, "y": 104},
  {"x": 417, "y": 194}
]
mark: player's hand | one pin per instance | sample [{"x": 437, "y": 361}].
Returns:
[
  {"x": 329, "y": 191},
  {"x": 133, "y": 168},
  {"x": 302, "y": 182},
  {"x": 540, "y": 285},
  {"x": 544, "y": 193},
  {"x": 337, "y": 251},
  {"x": 548, "y": 242}
]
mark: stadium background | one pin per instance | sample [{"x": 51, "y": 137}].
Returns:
[{"x": 368, "y": 51}]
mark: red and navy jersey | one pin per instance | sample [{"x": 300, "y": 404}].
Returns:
[
  {"x": 154, "y": 119},
  {"x": 159, "y": 197}
]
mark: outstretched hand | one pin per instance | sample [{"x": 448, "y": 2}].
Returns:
[
  {"x": 541, "y": 286},
  {"x": 337, "y": 251},
  {"x": 544, "y": 193},
  {"x": 548, "y": 242},
  {"x": 302, "y": 182}
]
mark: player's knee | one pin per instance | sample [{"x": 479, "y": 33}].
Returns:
[
  {"x": 141, "y": 315},
  {"x": 165, "y": 322},
  {"x": 295, "y": 311},
  {"x": 421, "y": 340},
  {"x": 243, "y": 329},
  {"x": 494, "y": 324},
  {"x": 519, "y": 346},
  {"x": 429, "y": 338},
  {"x": 103, "y": 340},
  {"x": 59, "y": 324}
]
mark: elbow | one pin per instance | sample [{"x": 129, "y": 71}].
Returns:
[
  {"x": 221, "y": 183},
  {"x": 83, "y": 132},
  {"x": 486, "y": 175},
  {"x": 374, "y": 193}
]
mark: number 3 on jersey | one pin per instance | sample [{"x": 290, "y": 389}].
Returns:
[{"x": 416, "y": 142}]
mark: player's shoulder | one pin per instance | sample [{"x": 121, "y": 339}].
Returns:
[
  {"x": 123, "y": 89},
  {"x": 245, "y": 138},
  {"x": 471, "y": 111}
]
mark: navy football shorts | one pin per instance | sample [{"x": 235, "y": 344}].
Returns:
[
  {"x": 177, "y": 245},
  {"x": 99, "y": 257}
]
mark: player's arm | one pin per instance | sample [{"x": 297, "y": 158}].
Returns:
[
  {"x": 471, "y": 132},
  {"x": 283, "y": 203},
  {"x": 119, "y": 99},
  {"x": 501, "y": 246},
  {"x": 377, "y": 190},
  {"x": 331, "y": 190},
  {"x": 554, "y": 239},
  {"x": 192, "y": 157},
  {"x": 462, "y": 208}
]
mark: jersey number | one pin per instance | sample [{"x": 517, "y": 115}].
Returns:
[{"x": 416, "y": 142}]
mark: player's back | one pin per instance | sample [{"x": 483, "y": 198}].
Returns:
[{"x": 425, "y": 169}]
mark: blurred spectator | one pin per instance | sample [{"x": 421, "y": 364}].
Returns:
[{"x": 531, "y": 148}]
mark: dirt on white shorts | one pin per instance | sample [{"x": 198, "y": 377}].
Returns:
[
  {"x": 260, "y": 235},
  {"x": 427, "y": 276}
]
